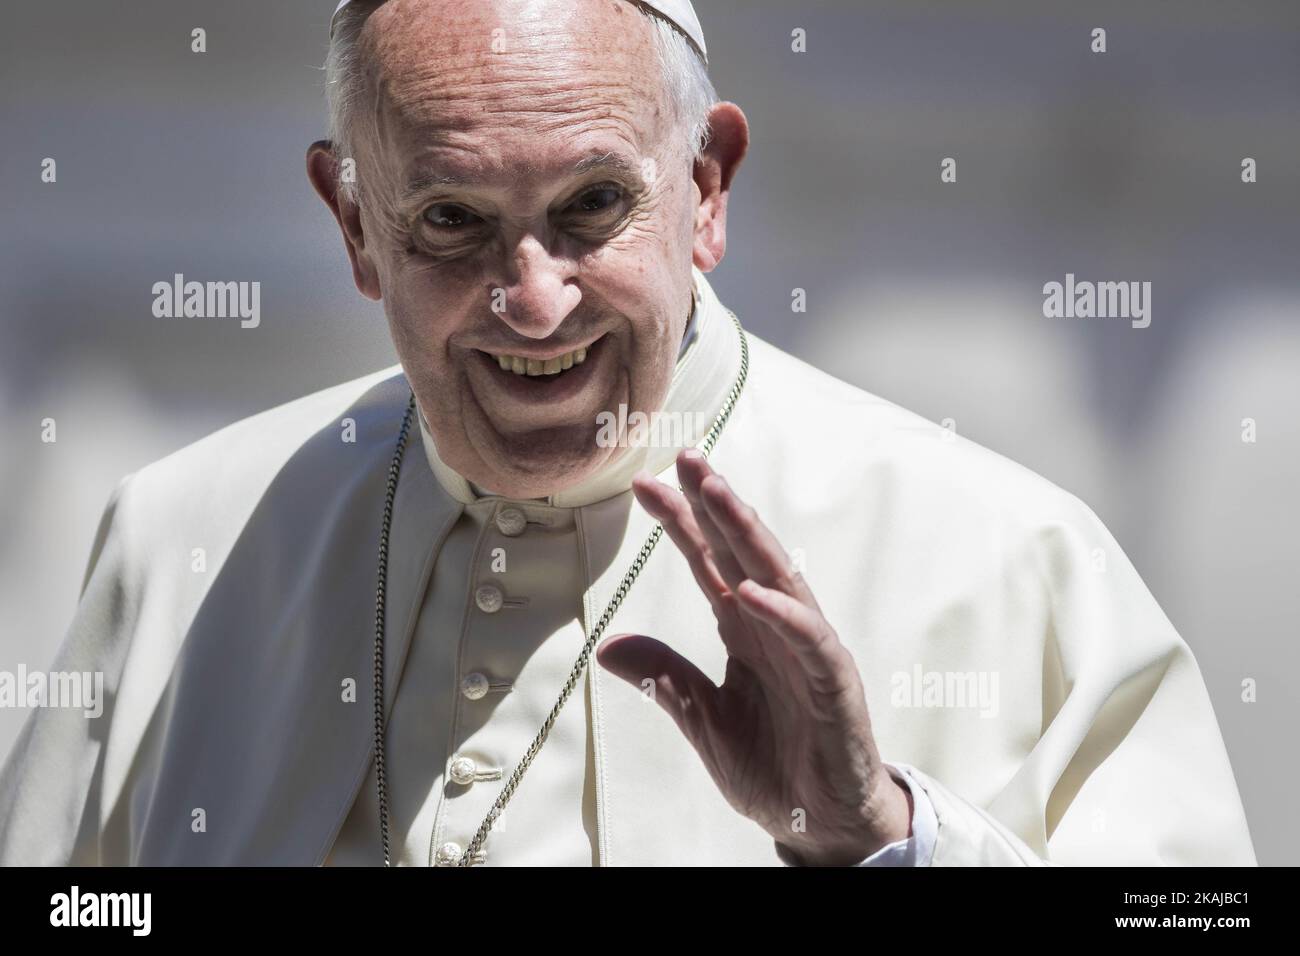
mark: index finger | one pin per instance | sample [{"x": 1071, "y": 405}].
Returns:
[{"x": 753, "y": 545}]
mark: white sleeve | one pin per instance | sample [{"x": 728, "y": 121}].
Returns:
[
  {"x": 1130, "y": 768},
  {"x": 917, "y": 849}
]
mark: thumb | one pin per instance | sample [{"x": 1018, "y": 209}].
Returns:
[{"x": 677, "y": 685}]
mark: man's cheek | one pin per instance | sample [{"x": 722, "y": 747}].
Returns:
[{"x": 642, "y": 244}]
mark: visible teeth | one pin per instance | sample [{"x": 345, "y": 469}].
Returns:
[{"x": 535, "y": 367}]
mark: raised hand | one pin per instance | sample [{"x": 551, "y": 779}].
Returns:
[{"x": 788, "y": 730}]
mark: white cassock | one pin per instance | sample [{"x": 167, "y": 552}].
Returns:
[{"x": 1019, "y": 674}]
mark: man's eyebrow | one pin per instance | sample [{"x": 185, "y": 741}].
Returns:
[
  {"x": 612, "y": 162},
  {"x": 428, "y": 181}
]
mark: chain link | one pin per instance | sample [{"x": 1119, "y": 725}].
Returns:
[{"x": 579, "y": 666}]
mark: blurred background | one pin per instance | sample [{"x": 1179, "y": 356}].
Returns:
[{"x": 1117, "y": 166}]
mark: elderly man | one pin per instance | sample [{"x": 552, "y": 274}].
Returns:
[{"x": 385, "y": 656}]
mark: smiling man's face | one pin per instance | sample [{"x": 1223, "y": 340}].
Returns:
[{"x": 529, "y": 214}]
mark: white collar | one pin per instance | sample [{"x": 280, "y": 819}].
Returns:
[{"x": 706, "y": 369}]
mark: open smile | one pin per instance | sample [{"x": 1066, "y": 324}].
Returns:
[
  {"x": 550, "y": 379},
  {"x": 521, "y": 365}
]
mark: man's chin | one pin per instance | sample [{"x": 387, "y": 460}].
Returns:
[{"x": 543, "y": 462}]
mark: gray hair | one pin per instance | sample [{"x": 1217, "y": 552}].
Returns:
[{"x": 686, "y": 78}]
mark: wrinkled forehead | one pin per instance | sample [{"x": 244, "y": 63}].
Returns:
[{"x": 511, "y": 72}]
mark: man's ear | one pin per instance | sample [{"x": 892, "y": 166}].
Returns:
[
  {"x": 323, "y": 171},
  {"x": 728, "y": 143}
]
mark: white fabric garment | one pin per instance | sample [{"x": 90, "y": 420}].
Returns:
[{"x": 229, "y": 735}]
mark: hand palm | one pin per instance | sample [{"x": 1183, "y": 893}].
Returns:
[{"x": 787, "y": 737}]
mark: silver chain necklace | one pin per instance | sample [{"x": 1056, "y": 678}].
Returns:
[{"x": 579, "y": 666}]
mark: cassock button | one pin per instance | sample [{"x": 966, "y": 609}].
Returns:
[
  {"x": 511, "y": 522},
  {"x": 474, "y": 686},
  {"x": 448, "y": 854},
  {"x": 464, "y": 771},
  {"x": 489, "y": 598}
]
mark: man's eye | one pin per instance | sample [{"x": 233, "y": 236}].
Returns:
[
  {"x": 450, "y": 216},
  {"x": 597, "y": 200}
]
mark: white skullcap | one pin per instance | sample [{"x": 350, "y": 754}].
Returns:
[{"x": 678, "y": 12}]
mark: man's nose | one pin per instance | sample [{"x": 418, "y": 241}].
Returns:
[{"x": 539, "y": 292}]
